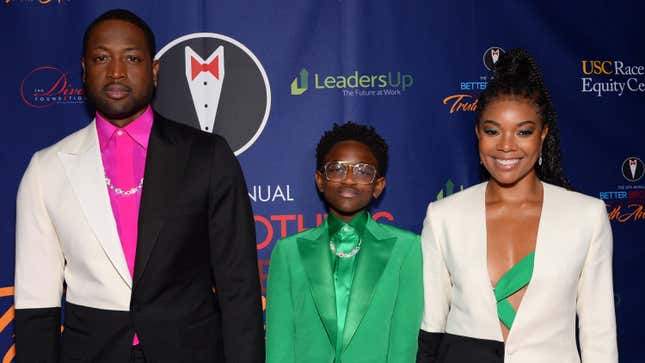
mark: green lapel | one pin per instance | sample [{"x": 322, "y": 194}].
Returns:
[
  {"x": 316, "y": 261},
  {"x": 372, "y": 259}
]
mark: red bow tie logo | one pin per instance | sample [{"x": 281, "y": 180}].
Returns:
[{"x": 196, "y": 67}]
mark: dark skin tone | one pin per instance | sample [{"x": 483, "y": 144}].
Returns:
[
  {"x": 346, "y": 199},
  {"x": 511, "y": 134},
  {"x": 118, "y": 71}
]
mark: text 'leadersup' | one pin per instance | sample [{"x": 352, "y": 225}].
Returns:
[
  {"x": 354, "y": 84},
  {"x": 357, "y": 80},
  {"x": 624, "y": 77}
]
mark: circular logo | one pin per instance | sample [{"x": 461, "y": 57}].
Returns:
[
  {"x": 633, "y": 169},
  {"x": 491, "y": 56},
  {"x": 45, "y": 86},
  {"x": 214, "y": 83}
]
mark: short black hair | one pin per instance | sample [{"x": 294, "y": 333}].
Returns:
[
  {"x": 517, "y": 74},
  {"x": 354, "y": 132},
  {"x": 125, "y": 15}
]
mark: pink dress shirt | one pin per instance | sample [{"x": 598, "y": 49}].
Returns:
[{"x": 123, "y": 151}]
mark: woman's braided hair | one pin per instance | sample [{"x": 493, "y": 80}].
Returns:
[{"x": 517, "y": 74}]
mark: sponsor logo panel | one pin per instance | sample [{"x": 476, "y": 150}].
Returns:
[
  {"x": 610, "y": 77},
  {"x": 354, "y": 84},
  {"x": 464, "y": 99},
  {"x": 46, "y": 86},
  {"x": 626, "y": 203}
]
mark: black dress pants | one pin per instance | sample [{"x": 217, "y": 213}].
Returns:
[
  {"x": 449, "y": 348},
  {"x": 137, "y": 355}
]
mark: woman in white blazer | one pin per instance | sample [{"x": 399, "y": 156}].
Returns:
[{"x": 509, "y": 263}]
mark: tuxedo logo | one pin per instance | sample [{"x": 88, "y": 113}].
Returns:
[
  {"x": 494, "y": 53},
  {"x": 633, "y": 169},
  {"x": 216, "y": 84},
  {"x": 491, "y": 56},
  {"x": 205, "y": 78}
]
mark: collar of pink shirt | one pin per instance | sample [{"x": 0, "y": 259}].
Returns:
[{"x": 138, "y": 129}]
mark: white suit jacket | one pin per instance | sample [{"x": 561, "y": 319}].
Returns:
[
  {"x": 65, "y": 229},
  {"x": 572, "y": 276},
  {"x": 195, "y": 232}
]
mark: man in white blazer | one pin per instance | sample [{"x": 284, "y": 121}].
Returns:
[{"x": 139, "y": 259}]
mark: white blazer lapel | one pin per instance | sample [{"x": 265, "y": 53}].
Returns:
[
  {"x": 84, "y": 169},
  {"x": 490, "y": 321}
]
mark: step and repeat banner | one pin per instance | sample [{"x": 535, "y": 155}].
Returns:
[{"x": 276, "y": 74}]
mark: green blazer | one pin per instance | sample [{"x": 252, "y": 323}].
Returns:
[{"x": 385, "y": 304}]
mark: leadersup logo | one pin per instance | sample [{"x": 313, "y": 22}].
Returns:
[
  {"x": 448, "y": 189},
  {"x": 355, "y": 84},
  {"x": 466, "y": 99},
  {"x": 602, "y": 77},
  {"x": 46, "y": 86},
  {"x": 300, "y": 84},
  {"x": 627, "y": 203}
]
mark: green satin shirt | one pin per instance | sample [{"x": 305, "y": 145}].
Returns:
[{"x": 343, "y": 268}]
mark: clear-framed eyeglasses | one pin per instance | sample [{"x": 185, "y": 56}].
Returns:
[{"x": 337, "y": 171}]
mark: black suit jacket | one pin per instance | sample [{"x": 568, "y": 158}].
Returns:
[{"x": 196, "y": 233}]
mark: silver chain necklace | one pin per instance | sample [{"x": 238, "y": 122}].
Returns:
[
  {"x": 349, "y": 254},
  {"x": 119, "y": 191}
]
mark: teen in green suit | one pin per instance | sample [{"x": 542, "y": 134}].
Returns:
[{"x": 350, "y": 290}]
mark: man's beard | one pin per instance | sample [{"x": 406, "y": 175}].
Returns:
[{"x": 115, "y": 111}]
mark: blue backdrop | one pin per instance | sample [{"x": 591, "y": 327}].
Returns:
[{"x": 412, "y": 69}]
